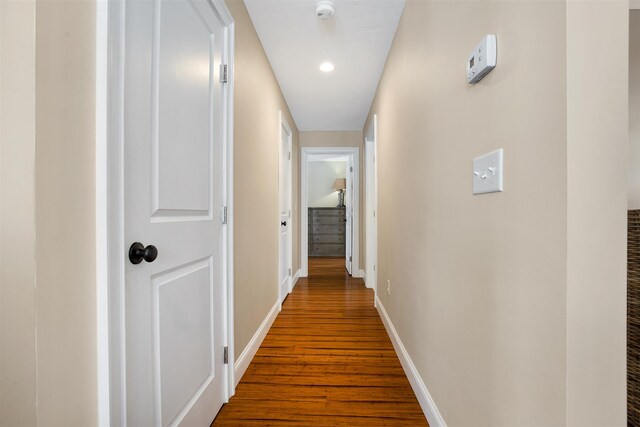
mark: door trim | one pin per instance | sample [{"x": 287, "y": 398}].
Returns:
[
  {"x": 102, "y": 213},
  {"x": 306, "y": 154},
  {"x": 284, "y": 125},
  {"x": 110, "y": 248},
  {"x": 371, "y": 201}
]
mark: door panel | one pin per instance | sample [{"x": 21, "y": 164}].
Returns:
[
  {"x": 182, "y": 320},
  {"x": 173, "y": 190},
  {"x": 181, "y": 174}
]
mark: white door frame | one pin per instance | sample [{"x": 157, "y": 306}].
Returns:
[
  {"x": 284, "y": 126},
  {"x": 110, "y": 248},
  {"x": 371, "y": 203},
  {"x": 306, "y": 155}
]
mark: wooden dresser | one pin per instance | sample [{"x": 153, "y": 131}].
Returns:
[{"x": 326, "y": 231}]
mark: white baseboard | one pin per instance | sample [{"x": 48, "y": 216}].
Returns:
[
  {"x": 361, "y": 274},
  {"x": 242, "y": 362},
  {"x": 419, "y": 388}
]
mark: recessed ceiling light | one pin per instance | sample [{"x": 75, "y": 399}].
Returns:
[{"x": 326, "y": 67}]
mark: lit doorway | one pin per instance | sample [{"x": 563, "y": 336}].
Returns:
[{"x": 351, "y": 209}]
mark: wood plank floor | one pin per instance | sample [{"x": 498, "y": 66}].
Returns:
[{"x": 326, "y": 361}]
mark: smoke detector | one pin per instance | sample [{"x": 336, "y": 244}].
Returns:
[{"x": 325, "y": 9}]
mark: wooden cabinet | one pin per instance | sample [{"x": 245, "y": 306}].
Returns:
[{"x": 327, "y": 232}]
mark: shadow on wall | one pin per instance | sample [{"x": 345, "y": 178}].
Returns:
[{"x": 322, "y": 175}]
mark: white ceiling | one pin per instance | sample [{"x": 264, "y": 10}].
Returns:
[{"x": 356, "y": 40}]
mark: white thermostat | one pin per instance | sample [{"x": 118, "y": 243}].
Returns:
[{"x": 482, "y": 59}]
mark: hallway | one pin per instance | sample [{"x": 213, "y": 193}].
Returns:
[{"x": 327, "y": 360}]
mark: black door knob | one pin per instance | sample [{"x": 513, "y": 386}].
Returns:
[
  {"x": 283, "y": 223},
  {"x": 137, "y": 253}
]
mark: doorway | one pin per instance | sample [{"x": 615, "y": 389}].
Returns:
[
  {"x": 168, "y": 211},
  {"x": 285, "y": 258},
  {"x": 351, "y": 209}
]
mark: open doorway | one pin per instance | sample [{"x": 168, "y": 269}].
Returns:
[
  {"x": 329, "y": 220},
  {"x": 326, "y": 192}
]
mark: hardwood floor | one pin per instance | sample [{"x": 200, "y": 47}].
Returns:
[{"x": 326, "y": 361}]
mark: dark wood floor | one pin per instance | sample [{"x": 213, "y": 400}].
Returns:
[{"x": 326, "y": 361}]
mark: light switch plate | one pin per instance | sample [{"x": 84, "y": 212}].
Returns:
[{"x": 487, "y": 173}]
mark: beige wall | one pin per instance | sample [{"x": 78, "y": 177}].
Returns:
[
  {"x": 342, "y": 139},
  {"x": 478, "y": 283},
  {"x": 17, "y": 213},
  {"x": 47, "y": 226},
  {"x": 511, "y": 305},
  {"x": 256, "y": 136},
  {"x": 331, "y": 138},
  {"x": 634, "y": 110},
  {"x": 65, "y": 212},
  {"x": 597, "y": 140}
]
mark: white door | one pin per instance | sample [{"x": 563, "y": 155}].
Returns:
[
  {"x": 285, "y": 210},
  {"x": 173, "y": 161},
  {"x": 348, "y": 201},
  {"x": 372, "y": 220}
]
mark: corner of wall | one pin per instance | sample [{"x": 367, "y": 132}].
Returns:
[{"x": 597, "y": 139}]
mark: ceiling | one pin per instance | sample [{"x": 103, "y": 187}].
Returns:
[{"x": 356, "y": 40}]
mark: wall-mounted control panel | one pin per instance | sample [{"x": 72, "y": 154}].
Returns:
[
  {"x": 487, "y": 173},
  {"x": 482, "y": 59}
]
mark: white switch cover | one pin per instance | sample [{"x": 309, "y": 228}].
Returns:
[{"x": 487, "y": 173}]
